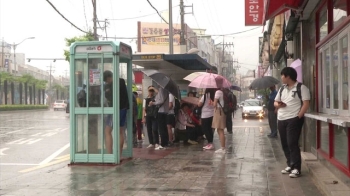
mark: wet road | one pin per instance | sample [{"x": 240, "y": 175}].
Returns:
[{"x": 30, "y": 139}]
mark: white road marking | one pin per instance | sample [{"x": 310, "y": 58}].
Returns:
[
  {"x": 37, "y": 134},
  {"x": 23, "y": 141},
  {"x": 19, "y": 130},
  {"x": 54, "y": 155},
  {"x": 2, "y": 151},
  {"x": 49, "y": 134},
  {"x": 17, "y": 164}
]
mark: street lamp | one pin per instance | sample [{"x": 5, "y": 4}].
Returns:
[{"x": 14, "y": 49}]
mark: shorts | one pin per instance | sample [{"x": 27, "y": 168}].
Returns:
[
  {"x": 170, "y": 120},
  {"x": 122, "y": 118}
]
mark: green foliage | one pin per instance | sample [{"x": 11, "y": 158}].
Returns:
[
  {"x": 84, "y": 38},
  {"x": 23, "y": 107},
  {"x": 26, "y": 78}
]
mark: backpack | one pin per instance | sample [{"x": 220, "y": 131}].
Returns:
[
  {"x": 234, "y": 102},
  {"x": 150, "y": 109},
  {"x": 82, "y": 98},
  {"x": 298, "y": 92},
  {"x": 228, "y": 103},
  {"x": 177, "y": 106}
]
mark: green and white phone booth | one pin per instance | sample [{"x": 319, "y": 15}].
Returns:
[{"x": 88, "y": 105}]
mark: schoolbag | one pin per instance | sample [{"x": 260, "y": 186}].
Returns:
[
  {"x": 150, "y": 109},
  {"x": 228, "y": 103},
  {"x": 177, "y": 106},
  {"x": 298, "y": 92},
  {"x": 234, "y": 102},
  {"x": 81, "y": 95}
]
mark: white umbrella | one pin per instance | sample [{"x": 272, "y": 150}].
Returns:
[{"x": 193, "y": 75}]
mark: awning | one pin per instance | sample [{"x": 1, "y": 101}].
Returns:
[
  {"x": 274, "y": 7},
  {"x": 189, "y": 62}
]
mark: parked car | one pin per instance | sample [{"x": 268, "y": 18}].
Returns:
[
  {"x": 59, "y": 105},
  {"x": 253, "y": 108},
  {"x": 67, "y": 107}
]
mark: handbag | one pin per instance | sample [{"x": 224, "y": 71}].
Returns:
[{"x": 155, "y": 110}]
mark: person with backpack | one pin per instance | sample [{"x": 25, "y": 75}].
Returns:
[
  {"x": 82, "y": 97},
  {"x": 149, "y": 119},
  {"x": 228, "y": 108},
  {"x": 207, "y": 111},
  {"x": 272, "y": 112},
  {"x": 292, "y": 101}
]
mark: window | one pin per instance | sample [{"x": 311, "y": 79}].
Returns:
[
  {"x": 335, "y": 75},
  {"x": 341, "y": 144},
  {"x": 339, "y": 12},
  {"x": 345, "y": 74},
  {"x": 323, "y": 24},
  {"x": 327, "y": 79},
  {"x": 324, "y": 145}
]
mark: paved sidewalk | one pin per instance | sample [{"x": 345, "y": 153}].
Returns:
[{"x": 251, "y": 167}]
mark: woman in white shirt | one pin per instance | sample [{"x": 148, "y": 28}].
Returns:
[
  {"x": 219, "y": 119},
  {"x": 207, "y": 116}
]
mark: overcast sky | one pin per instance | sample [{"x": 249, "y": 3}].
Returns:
[{"x": 20, "y": 19}]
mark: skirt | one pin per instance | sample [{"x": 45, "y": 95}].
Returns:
[{"x": 219, "y": 119}]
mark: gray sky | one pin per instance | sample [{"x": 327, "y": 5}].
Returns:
[{"x": 26, "y": 18}]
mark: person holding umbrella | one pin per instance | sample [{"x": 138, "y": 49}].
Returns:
[
  {"x": 162, "y": 101},
  {"x": 272, "y": 112}
]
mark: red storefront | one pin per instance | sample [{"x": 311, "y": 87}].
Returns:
[{"x": 323, "y": 31}]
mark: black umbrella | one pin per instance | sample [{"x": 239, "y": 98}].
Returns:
[
  {"x": 236, "y": 88},
  {"x": 263, "y": 83},
  {"x": 164, "y": 81}
]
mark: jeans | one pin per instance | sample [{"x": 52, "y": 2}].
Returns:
[
  {"x": 272, "y": 116},
  {"x": 206, "y": 128},
  {"x": 191, "y": 133},
  {"x": 152, "y": 130},
  {"x": 163, "y": 129},
  {"x": 229, "y": 122},
  {"x": 290, "y": 131}
]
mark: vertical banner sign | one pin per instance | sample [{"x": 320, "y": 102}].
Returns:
[
  {"x": 254, "y": 12},
  {"x": 261, "y": 47}
]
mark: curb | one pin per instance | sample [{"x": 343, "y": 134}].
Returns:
[{"x": 324, "y": 179}]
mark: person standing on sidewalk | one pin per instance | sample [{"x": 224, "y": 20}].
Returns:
[
  {"x": 162, "y": 101},
  {"x": 219, "y": 117},
  {"x": 207, "y": 116},
  {"x": 272, "y": 112},
  {"x": 292, "y": 101},
  {"x": 139, "y": 116},
  {"x": 170, "y": 120},
  {"x": 229, "y": 99},
  {"x": 150, "y": 119}
]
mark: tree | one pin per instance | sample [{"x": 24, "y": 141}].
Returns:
[{"x": 84, "y": 38}]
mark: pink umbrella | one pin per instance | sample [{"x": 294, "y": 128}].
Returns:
[
  {"x": 297, "y": 66},
  {"x": 210, "y": 80}
]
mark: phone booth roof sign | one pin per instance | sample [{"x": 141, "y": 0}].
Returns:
[
  {"x": 94, "y": 49},
  {"x": 125, "y": 50}
]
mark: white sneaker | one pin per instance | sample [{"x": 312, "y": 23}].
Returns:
[
  {"x": 287, "y": 170},
  {"x": 192, "y": 142},
  {"x": 159, "y": 147},
  {"x": 150, "y": 146},
  {"x": 295, "y": 173},
  {"x": 221, "y": 151}
]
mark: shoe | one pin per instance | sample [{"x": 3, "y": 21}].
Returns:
[
  {"x": 206, "y": 146},
  {"x": 150, "y": 146},
  {"x": 159, "y": 147},
  {"x": 192, "y": 142},
  {"x": 229, "y": 132},
  {"x": 209, "y": 147},
  {"x": 295, "y": 173},
  {"x": 221, "y": 151},
  {"x": 287, "y": 170}
]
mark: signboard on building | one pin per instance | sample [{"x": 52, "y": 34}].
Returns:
[
  {"x": 254, "y": 10},
  {"x": 260, "y": 71},
  {"x": 158, "y": 34},
  {"x": 261, "y": 40}
]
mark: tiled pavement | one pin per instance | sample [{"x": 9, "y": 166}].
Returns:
[{"x": 251, "y": 167}]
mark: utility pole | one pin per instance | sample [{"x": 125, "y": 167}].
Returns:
[
  {"x": 50, "y": 83},
  {"x": 171, "y": 29},
  {"x": 224, "y": 47},
  {"x": 183, "y": 26},
  {"x": 2, "y": 53},
  {"x": 95, "y": 19}
]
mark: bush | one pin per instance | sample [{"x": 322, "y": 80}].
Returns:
[{"x": 22, "y": 107}]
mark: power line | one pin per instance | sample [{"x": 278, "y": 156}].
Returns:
[
  {"x": 142, "y": 16},
  {"x": 65, "y": 17},
  {"x": 157, "y": 11},
  {"x": 87, "y": 26}
]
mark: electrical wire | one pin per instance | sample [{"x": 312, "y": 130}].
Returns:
[
  {"x": 65, "y": 17},
  {"x": 142, "y": 16},
  {"x": 157, "y": 11},
  {"x": 87, "y": 26}
]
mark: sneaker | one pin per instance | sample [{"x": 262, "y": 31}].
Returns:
[
  {"x": 159, "y": 147},
  {"x": 209, "y": 147},
  {"x": 287, "y": 170},
  {"x": 150, "y": 146},
  {"x": 295, "y": 173},
  {"x": 221, "y": 151},
  {"x": 192, "y": 142}
]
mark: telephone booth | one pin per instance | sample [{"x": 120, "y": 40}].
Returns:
[{"x": 95, "y": 130}]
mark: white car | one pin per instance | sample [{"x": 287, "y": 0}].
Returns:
[
  {"x": 253, "y": 108},
  {"x": 59, "y": 105}
]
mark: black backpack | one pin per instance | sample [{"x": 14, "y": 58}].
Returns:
[
  {"x": 298, "y": 92},
  {"x": 228, "y": 106}
]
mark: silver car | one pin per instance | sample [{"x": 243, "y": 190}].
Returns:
[{"x": 253, "y": 108}]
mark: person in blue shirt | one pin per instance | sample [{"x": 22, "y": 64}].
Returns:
[{"x": 272, "y": 112}]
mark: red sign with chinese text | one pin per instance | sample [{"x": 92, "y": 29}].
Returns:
[{"x": 254, "y": 10}]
